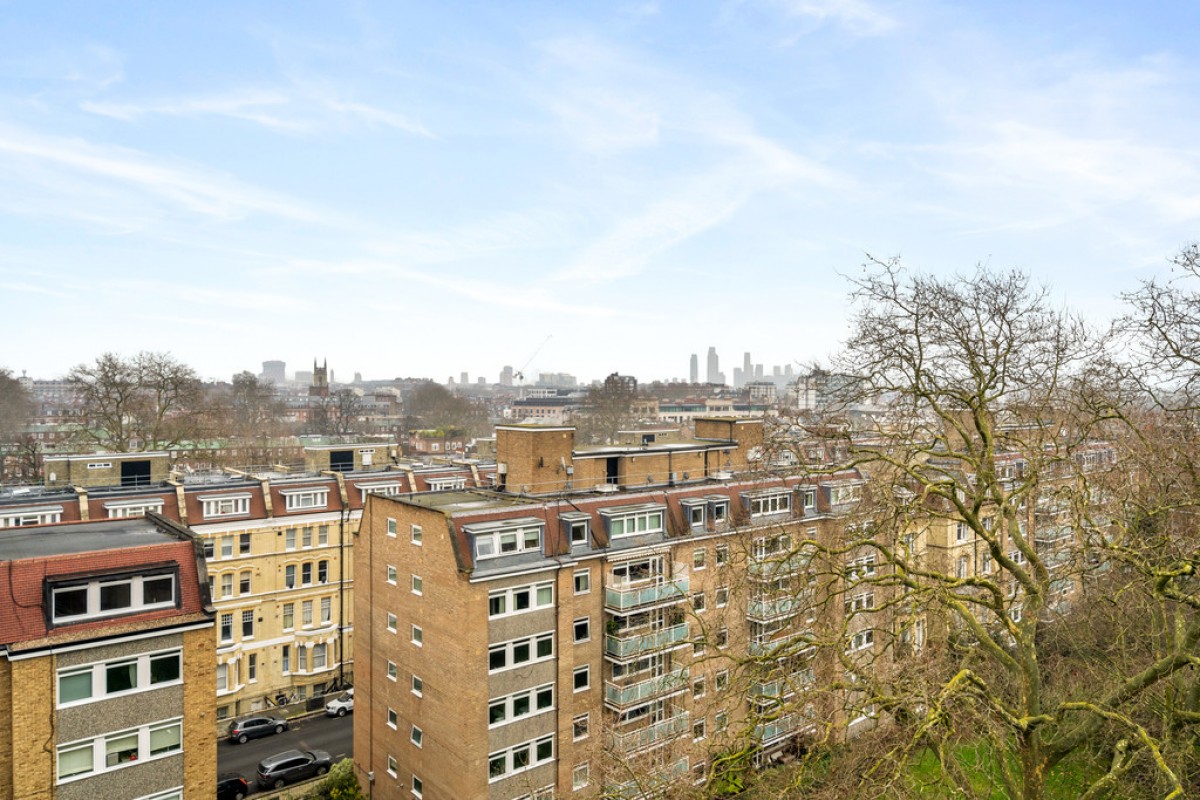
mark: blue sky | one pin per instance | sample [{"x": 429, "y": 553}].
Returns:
[{"x": 427, "y": 188}]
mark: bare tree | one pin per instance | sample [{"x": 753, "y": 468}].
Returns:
[
  {"x": 16, "y": 406},
  {"x": 609, "y": 408},
  {"x": 148, "y": 402},
  {"x": 338, "y": 414},
  {"x": 431, "y": 405},
  {"x": 250, "y": 408}
]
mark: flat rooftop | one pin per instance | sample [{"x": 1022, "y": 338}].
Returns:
[
  {"x": 85, "y": 537},
  {"x": 467, "y": 500}
]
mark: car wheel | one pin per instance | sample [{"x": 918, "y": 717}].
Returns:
[
  {"x": 341, "y": 712},
  {"x": 279, "y": 783},
  {"x": 279, "y": 728},
  {"x": 321, "y": 770},
  {"x": 239, "y": 796},
  {"x": 243, "y": 739}
]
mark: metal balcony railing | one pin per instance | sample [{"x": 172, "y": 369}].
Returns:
[
  {"x": 620, "y": 696},
  {"x": 666, "y": 590},
  {"x": 624, "y": 646}
]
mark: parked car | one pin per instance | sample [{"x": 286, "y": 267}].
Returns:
[
  {"x": 338, "y": 706},
  {"x": 232, "y": 787},
  {"x": 291, "y": 766},
  {"x": 253, "y": 727}
]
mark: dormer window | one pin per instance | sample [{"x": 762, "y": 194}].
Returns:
[
  {"x": 763, "y": 504},
  {"x": 634, "y": 520},
  {"x": 576, "y": 526},
  {"x": 77, "y": 601},
  {"x": 696, "y": 512},
  {"x": 389, "y": 489},
  {"x": 444, "y": 484},
  {"x": 232, "y": 505},
  {"x": 301, "y": 499},
  {"x": 506, "y": 538}
]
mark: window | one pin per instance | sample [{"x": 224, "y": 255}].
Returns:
[
  {"x": 985, "y": 563},
  {"x": 227, "y": 627},
  {"x": 244, "y": 544},
  {"x": 289, "y": 576},
  {"x": 391, "y": 622},
  {"x": 698, "y": 687},
  {"x": 418, "y": 787},
  {"x": 634, "y": 520},
  {"x": 722, "y": 596},
  {"x": 448, "y": 483},
  {"x": 519, "y": 758},
  {"x": 225, "y": 506},
  {"x": 227, "y": 585},
  {"x": 579, "y": 727},
  {"x": 960, "y": 570},
  {"x": 583, "y": 630},
  {"x": 306, "y": 573},
  {"x": 392, "y": 766},
  {"x": 722, "y": 555},
  {"x": 844, "y": 494},
  {"x": 859, "y": 602},
  {"x": 698, "y": 602},
  {"x": 765, "y": 503},
  {"x": 722, "y": 637},
  {"x": 75, "y": 601},
  {"x": 417, "y": 584},
  {"x": 392, "y": 670},
  {"x": 115, "y": 750},
  {"x": 862, "y": 640},
  {"x": 226, "y": 547},
  {"x": 808, "y": 499},
  {"x": 390, "y": 489},
  {"x": 698, "y": 649},
  {"x": 252, "y": 668},
  {"x": 698, "y": 730},
  {"x": 579, "y": 531},
  {"x": 519, "y": 599},
  {"x": 306, "y": 617},
  {"x": 289, "y": 539},
  {"x": 699, "y": 558},
  {"x": 508, "y": 538},
  {"x": 20, "y": 517},
  {"x": 393, "y": 719},
  {"x": 580, "y": 777},
  {"x": 302, "y": 659},
  {"x": 721, "y": 680},
  {"x": 300, "y": 499},
  {"x": 416, "y": 736},
  {"x": 860, "y": 567},
  {"x": 306, "y": 537},
  {"x": 247, "y": 624},
  {"x": 417, "y": 536},
  {"x": 1017, "y": 557},
  {"x": 391, "y": 527},
  {"x": 583, "y": 581},
  {"x": 721, "y": 721},
  {"x": 505, "y": 709},
  {"x": 695, "y": 514},
  {"x": 322, "y": 571},
  {"x": 286, "y": 660},
  {"x": 520, "y": 651},
  {"x": 960, "y": 532},
  {"x": 210, "y": 551},
  {"x": 222, "y": 677},
  {"x": 582, "y": 678},
  {"x": 244, "y": 583},
  {"x": 322, "y": 535},
  {"x": 391, "y": 574},
  {"x": 718, "y": 510},
  {"x": 418, "y": 686},
  {"x": 289, "y": 616},
  {"x": 80, "y": 684},
  {"x": 326, "y": 610},
  {"x": 128, "y": 509},
  {"x": 320, "y": 657},
  {"x": 418, "y": 636}
]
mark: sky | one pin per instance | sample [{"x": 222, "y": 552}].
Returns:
[{"x": 423, "y": 189}]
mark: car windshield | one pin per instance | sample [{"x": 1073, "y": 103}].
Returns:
[{"x": 345, "y": 697}]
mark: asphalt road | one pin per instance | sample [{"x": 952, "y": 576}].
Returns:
[{"x": 333, "y": 734}]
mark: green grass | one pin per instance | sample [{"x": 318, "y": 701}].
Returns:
[{"x": 1066, "y": 781}]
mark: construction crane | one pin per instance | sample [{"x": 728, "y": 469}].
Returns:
[{"x": 520, "y": 373}]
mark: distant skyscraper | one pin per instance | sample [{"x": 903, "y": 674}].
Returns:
[
  {"x": 274, "y": 371},
  {"x": 694, "y": 372},
  {"x": 506, "y": 376},
  {"x": 714, "y": 366},
  {"x": 464, "y": 379}
]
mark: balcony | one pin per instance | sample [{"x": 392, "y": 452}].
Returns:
[
  {"x": 788, "y": 645},
  {"x": 621, "y": 696},
  {"x": 769, "y": 567},
  {"x": 623, "y": 599},
  {"x": 627, "y": 646},
  {"x": 774, "y": 608},
  {"x": 656, "y": 784},
  {"x": 781, "y": 688},
  {"x": 769, "y": 732},
  {"x": 653, "y": 735}
]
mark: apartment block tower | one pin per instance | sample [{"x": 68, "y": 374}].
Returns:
[{"x": 603, "y": 622}]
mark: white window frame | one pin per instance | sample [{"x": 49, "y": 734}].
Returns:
[
  {"x": 507, "y": 754},
  {"x": 769, "y": 503},
  {"x": 535, "y": 698},
  {"x": 128, "y": 509},
  {"x": 537, "y": 599},
  {"x": 635, "y": 520},
  {"x": 225, "y": 505},
  {"x": 97, "y": 671},
  {"x": 99, "y": 750},
  {"x": 93, "y": 587},
  {"x": 509, "y": 647},
  {"x": 30, "y": 515},
  {"x": 490, "y": 540},
  {"x": 306, "y": 499}
]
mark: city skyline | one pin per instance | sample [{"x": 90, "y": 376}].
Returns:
[{"x": 477, "y": 186}]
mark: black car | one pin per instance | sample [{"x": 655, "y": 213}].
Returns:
[
  {"x": 254, "y": 727},
  {"x": 232, "y": 787},
  {"x": 291, "y": 766}
]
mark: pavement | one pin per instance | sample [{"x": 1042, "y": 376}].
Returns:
[{"x": 332, "y": 734}]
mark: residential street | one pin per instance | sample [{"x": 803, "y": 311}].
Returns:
[{"x": 334, "y": 734}]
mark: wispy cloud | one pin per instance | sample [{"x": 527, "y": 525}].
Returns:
[
  {"x": 857, "y": 16},
  {"x": 251, "y": 105},
  {"x": 189, "y": 187}
]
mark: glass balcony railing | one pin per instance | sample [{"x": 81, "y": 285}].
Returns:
[
  {"x": 772, "y": 566},
  {"x": 623, "y": 646},
  {"x": 633, "y": 693},
  {"x": 774, "y": 608},
  {"x": 651, "y": 735},
  {"x": 622, "y": 598},
  {"x": 656, "y": 784},
  {"x": 767, "y": 732},
  {"x": 781, "y": 688},
  {"x": 787, "y": 645}
]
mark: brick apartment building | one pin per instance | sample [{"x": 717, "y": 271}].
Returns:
[
  {"x": 106, "y": 663},
  {"x": 581, "y": 628}
]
